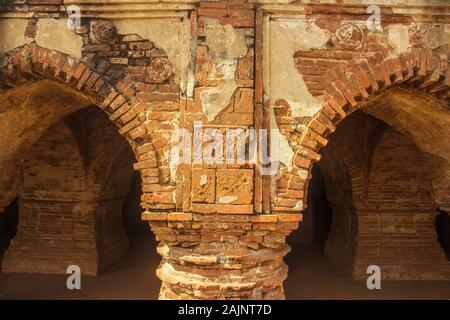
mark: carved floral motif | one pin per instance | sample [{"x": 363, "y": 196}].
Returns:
[
  {"x": 349, "y": 37},
  {"x": 105, "y": 31},
  {"x": 159, "y": 70},
  {"x": 425, "y": 36}
]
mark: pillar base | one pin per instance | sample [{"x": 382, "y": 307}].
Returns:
[
  {"x": 222, "y": 256},
  {"x": 233, "y": 273}
]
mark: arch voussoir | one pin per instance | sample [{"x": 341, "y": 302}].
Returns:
[
  {"x": 345, "y": 89},
  {"x": 41, "y": 63},
  {"x": 32, "y": 62}
]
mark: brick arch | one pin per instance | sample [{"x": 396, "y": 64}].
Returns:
[
  {"x": 31, "y": 62},
  {"x": 345, "y": 89}
]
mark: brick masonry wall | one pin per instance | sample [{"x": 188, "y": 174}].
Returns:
[
  {"x": 441, "y": 184},
  {"x": 403, "y": 240},
  {"x": 222, "y": 227}
]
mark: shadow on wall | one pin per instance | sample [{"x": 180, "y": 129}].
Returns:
[
  {"x": 135, "y": 227},
  {"x": 322, "y": 213},
  {"x": 317, "y": 217},
  {"x": 8, "y": 225},
  {"x": 443, "y": 231}
]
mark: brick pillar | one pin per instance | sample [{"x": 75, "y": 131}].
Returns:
[
  {"x": 219, "y": 243},
  {"x": 215, "y": 256}
]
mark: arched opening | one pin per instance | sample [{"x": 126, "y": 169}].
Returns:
[
  {"x": 71, "y": 187},
  {"x": 77, "y": 199},
  {"x": 384, "y": 173}
]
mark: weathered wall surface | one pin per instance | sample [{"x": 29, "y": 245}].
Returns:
[{"x": 215, "y": 70}]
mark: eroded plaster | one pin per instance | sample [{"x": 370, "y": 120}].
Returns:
[
  {"x": 169, "y": 34},
  {"x": 54, "y": 34},
  {"x": 398, "y": 38},
  {"x": 286, "y": 36},
  {"x": 225, "y": 46},
  {"x": 12, "y": 34}
]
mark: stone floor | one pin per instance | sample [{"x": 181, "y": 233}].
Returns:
[
  {"x": 132, "y": 278},
  {"x": 310, "y": 277}
]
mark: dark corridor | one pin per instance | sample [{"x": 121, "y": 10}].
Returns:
[
  {"x": 8, "y": 225},
  {"x": 321, "y": 212},
  {"x": 131, "y": 213},
  {"x": 443, "y": 231}
]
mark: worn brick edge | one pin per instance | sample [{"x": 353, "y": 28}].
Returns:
[{"x": 346, "y": 87}]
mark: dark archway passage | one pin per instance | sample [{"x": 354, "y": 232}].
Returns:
[
  {"x": 443, "y": 231},
  {"x": 79, "y": 195},
  {"x": 318, "y": 216},
  {"x": 321, "y": 212},
  {"x": 135, "y": 227},
  {"x": 8, "y": 225},
  {"x": 372, "y": 185}
]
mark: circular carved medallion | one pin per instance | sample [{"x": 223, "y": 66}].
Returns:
[
  {"x": 349, "y": 37},
  {"x": 431, "y": 38},
  {"x": 159, "y": 70},
  {"x": 104, "y": 31}
]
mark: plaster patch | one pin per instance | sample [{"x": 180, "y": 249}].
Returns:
[
  {"x": 285, "y": 38},
  {"x": 54, "y": 34},
  {"x": 12, "y": 34},
  {"x": 171, "y": 155},
  {"x": 224, "y": 41},
  {"x": 166, "y": 33},
  {"x": 398, "y": 38},
  {"x": 214, "y": 100},
  {"x": 444, "y": 37},
  {"x": 225, "y": 46},
  {"x": 203, "y": 179},
  {"x": 228, "y": 199},
  {"x": 437, "y": 37}
]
